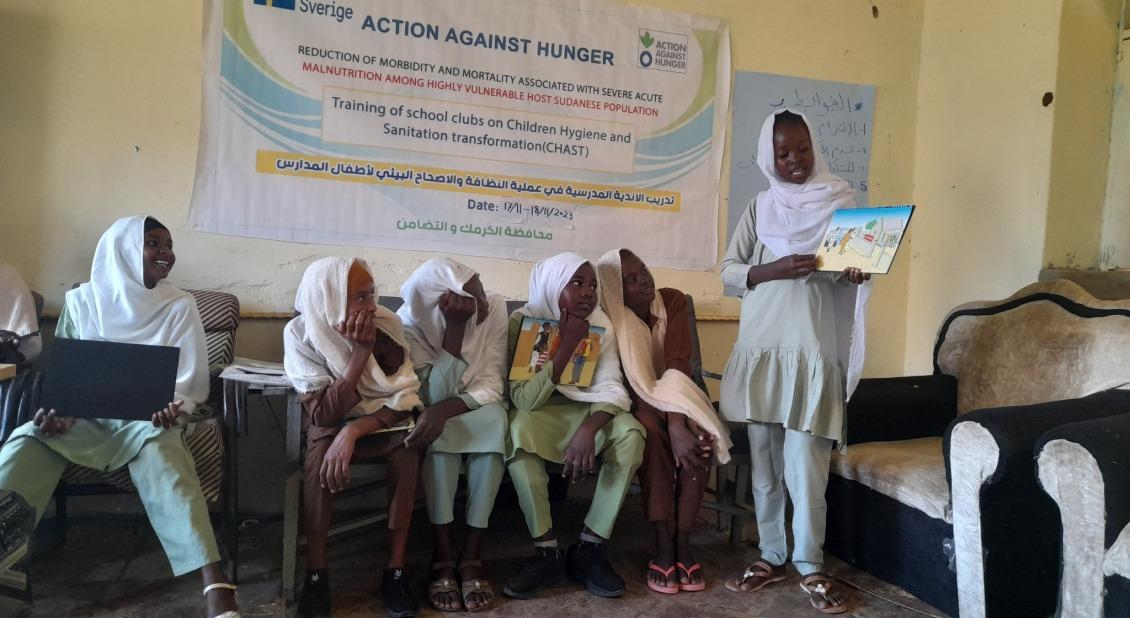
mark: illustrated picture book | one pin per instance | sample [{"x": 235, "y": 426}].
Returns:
[
  {"x": 538, "y": 342},
  {"x": 866, "y": 238}
]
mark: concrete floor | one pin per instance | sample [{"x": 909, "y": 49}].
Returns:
[{"x": 113, "y": 566}]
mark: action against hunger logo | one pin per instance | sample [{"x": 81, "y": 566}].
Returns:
[{"x": 664, "y": 51}]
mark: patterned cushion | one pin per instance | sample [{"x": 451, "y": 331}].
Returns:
[
  {"x": 218, "y": 310},
  {"x": 221, "y": 347},
  {"x": 206, "y": 444}
]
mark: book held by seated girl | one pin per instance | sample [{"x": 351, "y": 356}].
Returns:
[{"x": 538, "y": 342}]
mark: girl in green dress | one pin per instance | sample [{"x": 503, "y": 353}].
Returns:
[{"x": 553, "y": 422}]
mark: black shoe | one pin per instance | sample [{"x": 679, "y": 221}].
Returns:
[
  {"x": 315, "y": 602},
  {"x": 589, "y": 565},
  {"x": 545, "y": 570},
  {"x": 396, "y": 590}
]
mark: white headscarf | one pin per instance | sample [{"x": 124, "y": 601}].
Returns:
[
  {"x": 484, "y": 345},
  {"x": 642, "y": 358},
  {"x": 17, "y": 307},
  {"x": 548, "y": 278},
  {"x": 316, "y": 354},
  {"x": 116, "y": 306},
  {"x": 791, "y": 219}
]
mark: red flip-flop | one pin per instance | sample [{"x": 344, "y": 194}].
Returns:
[
  {"x": 666, "y": 573},
  {"x": 692, "y": 587}
]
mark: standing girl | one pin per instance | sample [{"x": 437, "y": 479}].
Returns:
[{"x": 798, "y": 355}]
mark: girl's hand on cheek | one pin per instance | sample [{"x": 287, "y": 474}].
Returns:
[{"x": 573, "y": 329}]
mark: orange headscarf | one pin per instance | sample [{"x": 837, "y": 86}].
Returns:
[{"x": 358, "y": 279}]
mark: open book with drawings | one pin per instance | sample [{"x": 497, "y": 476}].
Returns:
[{"x": 865, "y": 238}]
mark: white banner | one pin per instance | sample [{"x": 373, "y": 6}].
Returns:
[{"x": 505, "y": 128}]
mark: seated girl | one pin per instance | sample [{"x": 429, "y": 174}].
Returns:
[
  {"x": 570, "y": 425},
  {"x": 684, "y": 435},
  {"x": 457, "y": 333},
  {"x": 348, "y": 359},
  {"x": 18, "y": 317},
  {"x": 127, "y": 300}
]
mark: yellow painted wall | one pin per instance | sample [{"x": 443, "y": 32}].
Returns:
[
  {"x": 1088, "y": 53},
  {"x": 106, "y": 97},
  {"x": 1005, "y": 183},
  {"x": 1116, "y": 216}
]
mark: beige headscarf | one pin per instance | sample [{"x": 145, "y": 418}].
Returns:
[
  {"x": 317, "y": 355},
  {"x": 641, "y": 354}
]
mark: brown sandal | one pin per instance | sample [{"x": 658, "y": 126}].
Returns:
[
  {"x": 443, "y": 586},
  {"x": 475, "y": 585},
  {"x": 819, "y": 588},
  {"x": 760, "y": 570}
]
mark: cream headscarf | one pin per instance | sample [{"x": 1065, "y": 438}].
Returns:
[
  {"x": 791, "y": 219},
  {"x": 484, "y": 345},
  {"x": 641, "y": 353},
  {"x": 316, "y": 354},
  {"x": 548, "y": 278},
  {"x": 116, "y": 306}
]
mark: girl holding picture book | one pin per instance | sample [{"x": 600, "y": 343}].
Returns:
[
  {"x": 554, "y": 422},
  {"x": 798, "y": 355}
]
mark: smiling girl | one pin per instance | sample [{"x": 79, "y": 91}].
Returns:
[
  {"x": 798, "y": 354},
  {"x": 127, "y": 300}
]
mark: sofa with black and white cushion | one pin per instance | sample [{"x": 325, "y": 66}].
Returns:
[
  {"x": 936, "y": 490},
  {"x": 1085, "y": 468}
]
